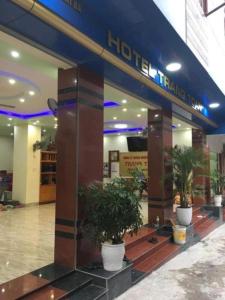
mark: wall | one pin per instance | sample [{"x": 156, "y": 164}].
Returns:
[
  {"x": 215, "y": 142},
  {"x": 182, "y": 138},
  {"x": 115, "y": 142},
  {"x": 203, "y": 35},
  {"x": 6, "y": 153},
  {"x": 26, "y": 168},
  {"x": 174, "y": 11},
  {"x": 119, "y": 142}
]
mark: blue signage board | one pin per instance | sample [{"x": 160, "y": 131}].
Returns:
[{"x": 75, "y": 13}]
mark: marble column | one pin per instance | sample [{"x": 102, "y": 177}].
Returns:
[
  {"x": 79, "y": 159},
  {"x": 199, "y": 143},
  {"x": 160, "y": 191},
  {"x": 26, "y": 164}
]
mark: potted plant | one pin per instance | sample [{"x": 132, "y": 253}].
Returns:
[
  {"x": 184, "y": 160},
  {"x": 217, "y": 184},
  {"x": 111, "y": 211},
  {"x": 139, "y": 176}
]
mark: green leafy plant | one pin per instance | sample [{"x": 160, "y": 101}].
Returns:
[
  {"x": 184, "y": 161},
  {"x": 111, "y": 210},
  {"x": 217, "y": 182},
  {"x": 139, "y": 176}
]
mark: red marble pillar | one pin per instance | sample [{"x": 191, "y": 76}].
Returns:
[
  {"x": 160, "y": 190},
  {"x": 79, "y": 158},
  {"x": 199, "y": 143}
]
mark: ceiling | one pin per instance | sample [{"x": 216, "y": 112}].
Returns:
[
  {"x": 33, "y": 71},
  {"x": 34, "y": 75}
]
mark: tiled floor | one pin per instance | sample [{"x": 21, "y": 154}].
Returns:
[
  {"x": 26, "y": 240},
  {"x": 196, "y": 274}
]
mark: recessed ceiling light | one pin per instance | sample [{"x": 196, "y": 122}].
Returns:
[
  {"x": 31, "y": 93},
  {"x": 143, "y": 109},
  {"x": 8, "y": 125},
  {"x": 120, "y": 126},
  {"x": 188, "y": 128},
  {"x": 179, "y": 125},
  {"x": 12, "y": 81},
  {"x": 56, "y": 119},
  {"x": 156, "y": 115},
  {"x": 37, "y": 121},
  {"x": 114, "y": 118},
  {"x": 139, "y": 132},
  {"x": 11, "y": 133},
  {"x": 15, "y": 54},
  {"x": 214, "y": 105},
  {"x": 22, "y": 100},
  {"x": 124, "y": 109},
  {"x": 124, "y": 101},
  {"x": 44, "y": 130},
  {"x": 10, "y": 119},
  {"x": 173, "y": 67},
  {"x": 138, "y": 115}
]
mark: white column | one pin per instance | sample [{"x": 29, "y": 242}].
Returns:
[{"x": 26, "y": 164}]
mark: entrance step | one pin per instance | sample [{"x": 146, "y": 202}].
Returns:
[
  {"x": 72, "y": 286},
  {"x": 200, "y": 217},
  {"x": 143, "y": 234},
  {"x": 158, "y": 259},
  {"x": 91, "y": 292},
  {"x": 22, "y": 286},
  {"x": 206, "y": 227},
  {"x": 143, "y": 249},
  {"x": 147, "y": 257}
]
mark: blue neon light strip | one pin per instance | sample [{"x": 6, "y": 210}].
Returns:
[
  {"x": 110, "y": 104},
  {"x": 25, "y": 116},
  {"x": 44, "y": 113},
  {"x": 107, "y": 131}
]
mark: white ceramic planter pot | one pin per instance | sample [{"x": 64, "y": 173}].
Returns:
[
  {"x": 184, "y": 216},
  {"x": 112, "y": 256},
  {"x": 218, "y": 200}
]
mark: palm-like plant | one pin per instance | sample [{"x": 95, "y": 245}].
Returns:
[
  {"x": 217, "y": 182},
  {"x": 184, "y": 161}
]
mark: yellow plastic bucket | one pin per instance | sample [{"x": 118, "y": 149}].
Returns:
[{"x": 179, "y": 234}]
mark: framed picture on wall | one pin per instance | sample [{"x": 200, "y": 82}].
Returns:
[{"x": 114, "y": 156}]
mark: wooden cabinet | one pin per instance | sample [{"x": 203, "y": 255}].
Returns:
[{"x": 48, "y": 177}]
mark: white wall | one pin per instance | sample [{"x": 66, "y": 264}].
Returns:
[
  {"x": 26, "y": 165},
  {"x": 203, "y": 35},
  {"x": 6, "y": 153},
  {"x": 182, "y": 138},
  {"x": 119, "y": 142},
  {"x": 215, "y": 142},
  {"x": 174, "y": 11},
  {"x": 115, "y": 142}
]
